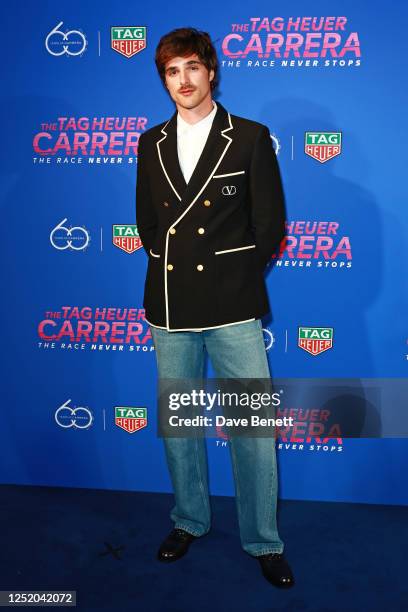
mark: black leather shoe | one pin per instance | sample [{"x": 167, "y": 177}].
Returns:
[
  {"x": 276, "y": 570},
  {"x": 175, "y": 545}
]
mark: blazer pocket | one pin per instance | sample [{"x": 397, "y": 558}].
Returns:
[
  {"x": 153, "y": 254},
  {"x": 243, "y": 248},
  {"x": 229, "y": 174},
  {"x": 237, "y": 277}
]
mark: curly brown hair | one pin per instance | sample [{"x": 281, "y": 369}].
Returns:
[{"x": 183, "y": 42}]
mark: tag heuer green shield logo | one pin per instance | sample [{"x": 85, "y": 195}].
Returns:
[
  {"x": 323, "y": 145},
  {"x": 130, "y": 419},
  {"x": 315, "y": 340},
  {"x": 128, "y": 40},
  {"x": 126, "y": 237}
]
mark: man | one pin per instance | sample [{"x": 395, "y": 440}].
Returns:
[{"x": 210, "y": 213}]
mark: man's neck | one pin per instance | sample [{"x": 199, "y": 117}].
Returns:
[{"x": 194, "y": 115}]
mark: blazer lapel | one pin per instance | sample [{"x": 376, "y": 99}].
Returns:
[
  {"x": 167, "y": 151},
  {"x": 214, "y": 150}
]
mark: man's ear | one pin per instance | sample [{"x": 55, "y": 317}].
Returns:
[{"x": 211, "y": 75}]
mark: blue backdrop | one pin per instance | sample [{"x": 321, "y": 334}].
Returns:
[{"x": 75, "y": 97}]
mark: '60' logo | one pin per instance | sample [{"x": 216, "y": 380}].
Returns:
[
  {"x": 78, "y": 418},
  {"x": 75, "y": 238},
  {"x": 65, "y": 43}
]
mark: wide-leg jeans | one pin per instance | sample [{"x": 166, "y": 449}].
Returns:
[{"x": 235, "y": 351}]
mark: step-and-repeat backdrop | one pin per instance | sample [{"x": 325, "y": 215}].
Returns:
[{"x": 79, "y": 368}]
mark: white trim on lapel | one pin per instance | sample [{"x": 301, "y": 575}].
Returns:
[
  {"x": 189, "y": 206},
  {"x": 161, "y": 161}
]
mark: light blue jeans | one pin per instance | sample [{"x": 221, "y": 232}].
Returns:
[{"x": 235, "y": 351}]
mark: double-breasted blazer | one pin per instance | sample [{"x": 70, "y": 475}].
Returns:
[{"x": 209, "y": 241}]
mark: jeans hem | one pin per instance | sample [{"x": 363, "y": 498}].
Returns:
[
  {"x": 265, "y": 551},
  {"x": 189, "y": 530}
]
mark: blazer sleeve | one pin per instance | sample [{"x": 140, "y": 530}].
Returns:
[
  {"x": 146, "y": 219},
  {"x": 267, "y": 202}
]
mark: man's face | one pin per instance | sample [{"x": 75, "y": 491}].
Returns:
[{"x": 188, "y": 80}]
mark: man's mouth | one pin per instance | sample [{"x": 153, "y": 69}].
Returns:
[{"x": 186, "y": 91}]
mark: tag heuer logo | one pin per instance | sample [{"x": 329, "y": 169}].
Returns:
[
  {"x": 128, "y": 40},
  {"x": 130, "y": 419},
  {"x": 315, "y": 340},
  {"x": 323, "y": 145},
  {"x": 126, "y": 237}
]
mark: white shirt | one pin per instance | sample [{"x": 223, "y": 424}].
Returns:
[{"x": 191, "y": 138}]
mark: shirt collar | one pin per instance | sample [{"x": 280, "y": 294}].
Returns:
[{"x": 184, "y": 126}]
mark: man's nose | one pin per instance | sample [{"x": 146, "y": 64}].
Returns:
[{"x": 183, "y": 79}]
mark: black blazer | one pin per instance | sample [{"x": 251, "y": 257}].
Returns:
[{"x": 208, "y": 241}]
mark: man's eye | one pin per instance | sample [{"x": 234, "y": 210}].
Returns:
[{"x": 194, "y": 67}]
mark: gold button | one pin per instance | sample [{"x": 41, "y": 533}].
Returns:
[
  {"x": 201, "y": 230},
  {"x": 165, "y": 203},
  {"x": 169, "y": 266},
  {"x": 172, "y": 230},
  {"x": 207, "y": 203},
  {"x": 200, "y": 267}
]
